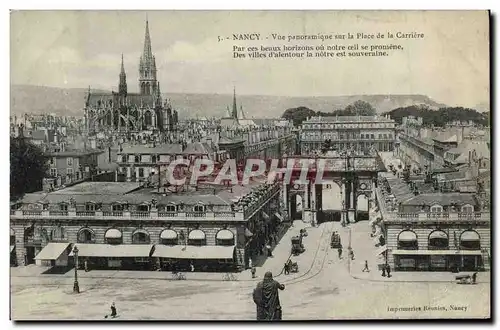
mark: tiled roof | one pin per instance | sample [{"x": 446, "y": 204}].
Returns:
[
  {"x": 198, "y": 148},
  {"x": 144, "y": 149},
  {"x": 74, "y": 153},
  {"x": 443, "y": 199}
]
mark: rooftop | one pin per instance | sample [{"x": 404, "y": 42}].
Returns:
[{"x": 443, "y": 199}]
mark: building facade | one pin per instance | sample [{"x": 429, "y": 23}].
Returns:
[
  {"x": 127, "y": 226},
  {"x": 348, "y": 132},
  {"x": 431, "y": 231}
]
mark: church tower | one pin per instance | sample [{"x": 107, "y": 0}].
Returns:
[
  {"x": 234, "y": 113},
  {"x": 122, "y": 86},
  {"x": 147, "y": 68}
]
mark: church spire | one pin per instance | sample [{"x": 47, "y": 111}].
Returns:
[
  {"x": 148, "y": 53},
  {"x": 122, "y": 86},
  {"x": 235, "y": 108},
  {"x": 147, "y": 67}
]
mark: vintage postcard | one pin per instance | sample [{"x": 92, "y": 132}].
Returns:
[{"x": 250, "y": 165}]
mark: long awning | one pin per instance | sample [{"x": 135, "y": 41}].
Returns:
[
  {"x": 111, "y": 251},
  {"x": 407, "y": 236},
  {"x": 437, "y": 252},
  {"x": 193, "y": 252},
  {"x": 224, "y": 234},
  {"x": 381, "y": 250},
  {"x": 469, "y": 236},
  {"x": 52, "y": 251},
  {"x": 279, "y": 216}
]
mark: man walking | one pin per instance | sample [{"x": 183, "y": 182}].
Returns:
[
  {"x": 388, "y": 271},
  {"x": 266, "y": 298},
  {"x": 366, "y": 269}
]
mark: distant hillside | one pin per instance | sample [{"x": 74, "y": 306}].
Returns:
[
  {"x": 38, "y": 99},
  {"x": 441, "y": 116}
]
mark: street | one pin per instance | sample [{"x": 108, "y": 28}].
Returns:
[{"x": 325, "y": 290}]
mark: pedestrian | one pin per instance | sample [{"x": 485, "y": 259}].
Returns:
[
  {"x": 191, "y": 266},
  {"x": 269, "y": 252},
  {"x": 351, "y": 254},
  {"x": 254, "y": 270},
  {"x": 474, "y": 277},
  {"x": 287, "y": 268},
  {"x": 86, "y": 266},
  {"x": 388, "y": 271},
  {"x": 250, "y": 263},
  {"x": 340, "y": 252},
  {"x": 366, "y": 269},
  {"x": 384, "y": 267},
  {"x": 113, "y": 309}
]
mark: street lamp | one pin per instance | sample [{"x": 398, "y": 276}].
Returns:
[{"x": 76, "y": 287}]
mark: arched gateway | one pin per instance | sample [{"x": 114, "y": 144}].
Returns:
[{"x": 355, "y": 174}]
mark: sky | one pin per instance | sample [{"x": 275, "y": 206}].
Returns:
[{"x": 77, "y": 49}]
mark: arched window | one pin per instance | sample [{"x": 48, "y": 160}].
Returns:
[
  {"x": 58, "y": 234},
  {"x": 199, "y": 208},
  {"x": 407, "y": 240},
  {"x": 470, "y": 240},
  {"x": 196, "y": 237},
  {"x": 169, "y": 237},
  {"x": 436, "y": 209},
  {"x": 137, "y": 159},
  {"x": 113, "y": 236},
  {"x": 153, "y": 159},
  {"x": 171, "y": 208},
  {"x": 438, "y": 240},
  {"x": 124, "y": 159},
  {"x": 85, "y": 235},
  {"x": 140, "y": 236},
  {"x": 225, "y": 237},
  {"x": 467, "y": 208}
]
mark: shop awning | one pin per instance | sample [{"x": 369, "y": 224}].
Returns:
[
  {"x": 12, "y": 248},
  {"x": 113, "y": 251},
  {"x": 113, "y": 233},
  {"x": 381, "y": 250},
  {"x": 469, "y": 236},
  {"x": 52, "y": 251},
  {"x": 193, "y": 252},
  {"x": 407, "y": 236},
  {"x": 438, "y": 234},
  {"x": 248, "y": 233},
  {"x": 225, "y": 234},
  {"x": 437, "y": 252},
  {"x": 168, "y": 234},
  {"x": 196, "y": 234},
  {"x": 279, "y": 216}
]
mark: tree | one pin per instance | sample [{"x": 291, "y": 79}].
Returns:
[
  {"x": 360, "y": 108},
  {"x": 298, "y": 115},
  {"x": 27, "y": 167}
]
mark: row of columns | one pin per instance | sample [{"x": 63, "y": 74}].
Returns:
[{"x": 312, "y": 201}]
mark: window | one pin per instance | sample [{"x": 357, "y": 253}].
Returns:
[
  {"x": 407, "y": 240},
  {"x": 141, "y": 172},
  {"x": 143, "y": 208},
  {"x": 153, "y": 159},
  {"x": 124, "y": 159},
  {"x": 438, "y": 240},
  {"x": 90, "y": 207},
  {"x": 171, "y": 208},
  {"x": 136, "y": 159},
  {"x": 69, "y": 171},
  {"x": 199, "y": 208},
  {"x": 78, "y": 175},
  {"x": 117, "y": 207},
  {"x": 69, "y": 161},
  {"x": 140, "y": 237},
  {"x": 362, "y": 136},
  {"x": 436, "y": 209},
  {"x": 52, "y": 160},
  {"x": 85, "y": 236},
  {"x": 53, "y": 172},
  {"x": 373, "y": 136},
  {"x": 467, "y": 209},
  {"x": 63, "y": 207}
]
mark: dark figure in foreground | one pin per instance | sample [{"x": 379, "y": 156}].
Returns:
[
  {"x": 113, "y": 310},
  {"x": 267, "y": 300},
  {"x": 474, "y": 278},
  {"x": 388, "y": 269},
  {"x": 366, "y": 269}
]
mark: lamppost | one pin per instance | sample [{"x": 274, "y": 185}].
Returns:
[{"x": 76, "y": 287}]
